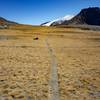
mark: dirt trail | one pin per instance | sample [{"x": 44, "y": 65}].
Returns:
[{"x": 53, "y": 83}]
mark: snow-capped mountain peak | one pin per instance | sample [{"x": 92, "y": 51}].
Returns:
[
  {"x": 59, "y": 20},
  {"x": 68, "y": 17}
]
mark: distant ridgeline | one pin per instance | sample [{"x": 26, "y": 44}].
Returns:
[
  {"x": 5, "y": 23},
  {"x": 87, "y": 16}
]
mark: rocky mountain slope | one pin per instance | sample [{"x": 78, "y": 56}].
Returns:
[
  {"x": 58, "y": 21},
  {"x": 5, "y": 23},
  {"x": 88, "y": 16}
]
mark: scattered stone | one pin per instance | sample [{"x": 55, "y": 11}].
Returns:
[{"x": 36, "y": 38}]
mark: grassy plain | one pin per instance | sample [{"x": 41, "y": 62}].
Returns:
[{"x": 25, "y": 63}]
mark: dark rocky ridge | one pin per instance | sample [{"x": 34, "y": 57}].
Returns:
[
  {"x": 88, "y": 16},
  {"x": 5, "y": 23},
  {"x": 44, "y": 23}
]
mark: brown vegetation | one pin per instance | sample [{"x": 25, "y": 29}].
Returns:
[{"x": 25, "y": 64}]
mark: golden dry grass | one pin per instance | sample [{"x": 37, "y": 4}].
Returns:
[
  {"x": 45, "y": 29},
  {"x": 25, "y": 63}
]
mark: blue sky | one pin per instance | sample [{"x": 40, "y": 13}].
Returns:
[{"x": 38, "y": 11}]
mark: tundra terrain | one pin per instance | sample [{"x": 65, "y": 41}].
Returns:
[{"x": 31, "y": 57}]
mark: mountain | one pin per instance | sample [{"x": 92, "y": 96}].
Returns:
[
  {"x": 5, "y": 23},
  {"x": 87, "y": 16},
  {"x": 44, "y": 24},
  {"x": 58, "y": 21}
]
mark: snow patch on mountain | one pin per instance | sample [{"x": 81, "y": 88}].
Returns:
[{"x": 60, "y": 20}]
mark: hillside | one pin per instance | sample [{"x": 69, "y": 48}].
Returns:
[
  {"x": 87, "y": 16},
  {"x": 5, "y": 23}
]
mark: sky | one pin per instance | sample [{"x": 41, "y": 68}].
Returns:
[{"x": 36, "y": 12}]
